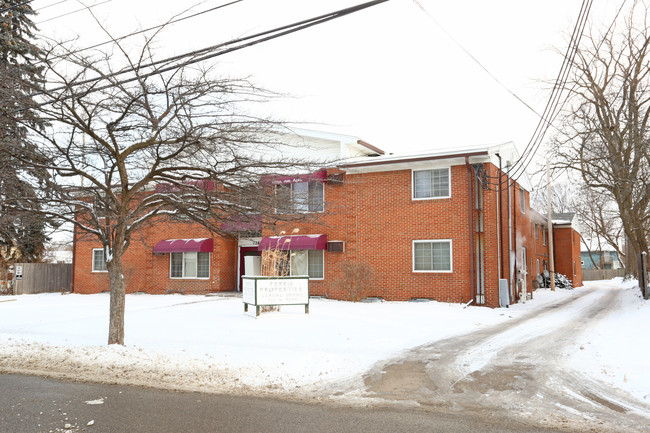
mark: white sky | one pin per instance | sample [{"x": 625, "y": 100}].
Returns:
[{"x": 387, "y": 74}]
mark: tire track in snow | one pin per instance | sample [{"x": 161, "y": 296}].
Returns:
[{"x": 515, "y": 369}]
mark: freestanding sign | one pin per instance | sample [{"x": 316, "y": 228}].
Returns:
[{"x": 270, "y": 291}]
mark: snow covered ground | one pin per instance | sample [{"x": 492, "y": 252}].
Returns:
[{"x": 208, "y": 343}]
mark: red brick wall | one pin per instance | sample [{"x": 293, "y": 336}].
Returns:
[
  {"x": 567, "y": 254},
  {"x": 376, "y": 217},
  {"x": 148, "y": 272}
]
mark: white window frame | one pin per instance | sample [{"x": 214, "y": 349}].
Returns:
[
  {"x": 322, "y": 258},
  {"x": 94, "y": 269},
  {"x": 451, "y": 256},
  {"x": 522, "y": 201},
  {"x": 183, "y": 277},
  {"x": 430, "y": 198},
  {"x": 294, "y": 209}
]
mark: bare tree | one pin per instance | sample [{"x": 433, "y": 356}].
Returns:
[
  {"x": 564, "y": 198},
  {"x": 132, "y": 141},
  {"x": 606, "y": 125},
  {"x": 601, "y": 226}
]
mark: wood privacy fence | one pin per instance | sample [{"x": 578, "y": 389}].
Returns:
[
  {"x": 44, "y": 278},
  {"x": 601, "y": 274}
]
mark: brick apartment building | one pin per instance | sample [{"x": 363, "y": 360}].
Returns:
[{"x": 441, "y": 225}]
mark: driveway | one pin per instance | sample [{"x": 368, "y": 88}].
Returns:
[{"x": 514, "y": 371}]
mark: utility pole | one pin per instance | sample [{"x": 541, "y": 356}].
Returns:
[{"x": 551, "y": 258}]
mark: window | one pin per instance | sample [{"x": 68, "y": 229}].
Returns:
[
  {"x": 544, "y": 237},
  {"x": 308, "y": 262},
  {"x": 431, "y": 184},
  {"x": 539, "y": 271},
  {"x": 522, "y": 200},
  {"x": 536, "y": 231},
  {"x": 99, "y": 260},
  {"x": 189, "y": 265},
  {"x": 432, "y": 256},
  {"x": 301, "y": 197}
]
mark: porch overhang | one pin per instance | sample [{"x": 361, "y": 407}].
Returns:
[
  {"x": 272, "y": 179},
  {"x": 295, "y": 242},
  {"x": 200, "y": 245}
]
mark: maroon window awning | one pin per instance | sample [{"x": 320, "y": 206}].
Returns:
[
  {"x": 201, "y": 245},
  {"x": 295, "y": 242},
  {"x": 272, "y": 179},
  {"x": 242, "y": 223}
]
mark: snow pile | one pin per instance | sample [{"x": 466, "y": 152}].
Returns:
[
  {"x": 617, "y": 349},
  {"x": 208, "y": 343}
]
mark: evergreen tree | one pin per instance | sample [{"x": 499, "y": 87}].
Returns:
[{"x": 22, "y": 229}]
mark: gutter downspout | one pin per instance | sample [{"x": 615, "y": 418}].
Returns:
[
  {"x": 499, "y": 216},
  {"x": 471, "y": 226},
  {"x": 74, "y": 253},
  {"x": 510, "y": 268}
]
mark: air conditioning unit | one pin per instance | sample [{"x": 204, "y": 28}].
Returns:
[{"x": 336, "y": 246}]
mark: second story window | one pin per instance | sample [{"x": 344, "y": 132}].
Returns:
[
  {"x": 301, "y": 197},
  {"x": 433, "y": 183},
  {"x": 522, "y": 200}
]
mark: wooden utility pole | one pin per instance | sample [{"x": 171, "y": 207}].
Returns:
[{"x": 551, "y": 258}]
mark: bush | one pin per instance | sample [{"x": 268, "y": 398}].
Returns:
[{"x": 357, "y": 278}]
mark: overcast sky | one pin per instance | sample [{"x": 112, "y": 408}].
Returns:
[{"x": 387, "y": 74}]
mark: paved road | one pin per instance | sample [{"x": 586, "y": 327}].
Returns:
[
  {"x": 515, "y": 369},
  {"x": 30, "y": 404}
]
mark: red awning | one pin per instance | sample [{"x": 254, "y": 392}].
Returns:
[
  {"x": 272, "y": 179},
  {"x": 296, "y": 242},
  {"x": 202, "y": 245},
  {"x": 242, "y": 223}
]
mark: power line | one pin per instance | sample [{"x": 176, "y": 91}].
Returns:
[
  {"x": 59, "y": 16},
  {"x": 516, "y": 170},
  {"x": 15, "y": 6},
  {"x": 226, "y": 47},
  {"x": 471, "y": 56},
  {"x": 201, "y": 55},
  {"x": 603, "y": 39},
  {"x": 159, "y": 26},
  {"x": 551, "y": 107},
  {"x": 73, "y": 12},
  {"x": 552, "y": 104}
]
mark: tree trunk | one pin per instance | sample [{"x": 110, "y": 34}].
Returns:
[{"x": 118, "y": 296}]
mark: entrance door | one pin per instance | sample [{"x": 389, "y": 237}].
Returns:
[{"x": 243, "y": 253}]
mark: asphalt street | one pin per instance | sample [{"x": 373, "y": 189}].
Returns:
[{"x": 31, "y": 404}]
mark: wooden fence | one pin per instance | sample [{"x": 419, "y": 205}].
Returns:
[
  {"x": 43, "y": 278},
  {"x": 601, "y": 274}
]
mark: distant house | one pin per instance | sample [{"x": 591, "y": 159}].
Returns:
[
  {"x": 444, "y": 225},
  {"x": 566, "y": 248},
  {"x": 600, "y": 260}
]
